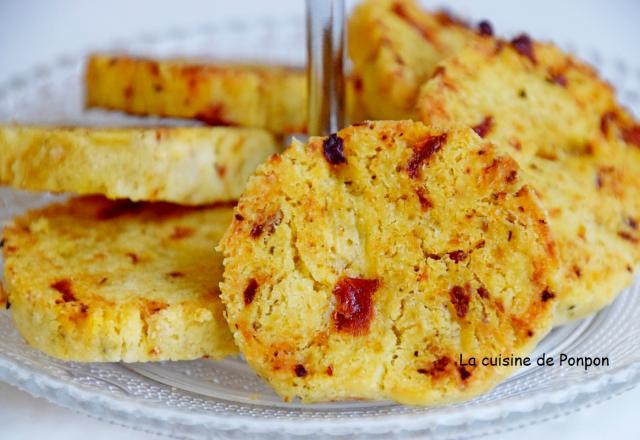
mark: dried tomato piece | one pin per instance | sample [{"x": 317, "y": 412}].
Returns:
[
  {"x": 457, "y": 256},
  {"x": 425, "y": 201},
  {"x": 250, "y": 291},
  {"x": 559, "y": 79},
  {"x": 422, "y": 151},
  {"x": 256, "y": 230},
  {"x": 354, "y": 304},
  {"x": 460, "y": 299},
  {"x": 437, "y": 368},
  {"x": 632, "y": 135},
  {"x": 547, "y": 295},
  {"x": 512, "y": 176},
  {"x": 485, "y": 29},
  {"x": 64, "y": 287},
  {"x": 300, "y": 370},
  {"x": 524, "y": 46},
  {"x": 464, "y": 373},
  {"x": 483, "y": 128},
  {"x": 333, "y": 148},
  {"x": 605, "y": 121},
  {"x": 213, "y": 115},
  {"x": 627, "y": 236},
  {"x": 483, "y": 292},
  {"x": 269, "y": 226}
]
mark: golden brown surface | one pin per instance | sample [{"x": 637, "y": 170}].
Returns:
[
  {"x": 577, "y": 147},
  {"x": 268, "y": 97},
  {"x": 369, "y": 276},
  {"x": 395, "y": 46},
  {"x": 187, "y": 165},
  {"x": 272, "y": 98},
  {"x": 97, "y": 280}
]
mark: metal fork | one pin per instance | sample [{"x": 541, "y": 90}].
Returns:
[{"x": 325, "y": 66}]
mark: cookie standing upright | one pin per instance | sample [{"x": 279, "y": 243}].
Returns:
[
  {"x": 395, "y": 46},
  {"x": 576, "y": 145},
  {"x": 364, "y": 264}
]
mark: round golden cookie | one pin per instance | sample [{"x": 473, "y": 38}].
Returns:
[
  {"x": 577, "y": 147},
  {"x": 364, "y": 264},
  {"x": 96, "y": 280},
  {"x": 395, "y": 46},
  {"x": 268, "y": 97},
  {"x": 185, "y": 165}
]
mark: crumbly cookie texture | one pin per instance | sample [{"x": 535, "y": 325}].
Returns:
[
  {"x": 395, "y": 46},
  {"x": 268, "y": 97},
  {"x": 95, "y": 280},
  {"x": 186, "y": 165},
  {"x": 577, "y": 147},
  {"x": 364, "y": 264}
]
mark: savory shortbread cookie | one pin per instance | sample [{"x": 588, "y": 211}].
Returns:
[
  {"x": 395, "y": 46},
  {"x": 272, "y": 98},
  {"x": 268, "y": 97},
  {"x": 364, "y": 264},
  {"x": 97, "y": 280},
  {"x": 578, "y": 148},
  {"x": 186, "y": 165}
]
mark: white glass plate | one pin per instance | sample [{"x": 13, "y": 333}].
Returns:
[{"x": 207, "y": 399}]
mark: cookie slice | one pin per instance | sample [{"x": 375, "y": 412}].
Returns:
[
  {"x": 95, "y": 280},
  {"x": 365, "y": 264},
  {"x": 272, "y": 98},
  {"x": 579, "y": 149},
  {"x": 395, "y": 46},
  {"x": 268, "y": 97},
  {"x": 185, "y": 165}
]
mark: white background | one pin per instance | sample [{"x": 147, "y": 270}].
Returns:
[{"x": 35, "y": 32}]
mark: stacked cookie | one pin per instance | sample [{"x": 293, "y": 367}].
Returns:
[
  {"x": 491, "y": 195},
  {"x": 134, "y": 278}
]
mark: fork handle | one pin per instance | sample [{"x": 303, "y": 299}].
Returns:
[{"x": 325, "y": 65}]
